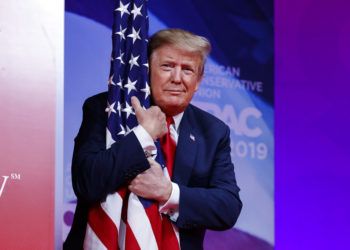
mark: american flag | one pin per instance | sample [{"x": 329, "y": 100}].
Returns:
[{"x": 125, "y": 221}]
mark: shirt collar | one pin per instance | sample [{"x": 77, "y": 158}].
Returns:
[{"x": 177, "y": 119}]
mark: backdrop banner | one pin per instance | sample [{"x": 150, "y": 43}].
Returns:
[{"x": 237, "y": 88}]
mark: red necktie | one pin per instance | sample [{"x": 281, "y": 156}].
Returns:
[
  {"x": 169, "y": 240},
  {"x": 168, "y": 147}
]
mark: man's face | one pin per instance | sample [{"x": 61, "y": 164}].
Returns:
[{"x": 175, "y": 76}]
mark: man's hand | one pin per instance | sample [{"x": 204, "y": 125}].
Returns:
[
  {"x": 152, "y": 120},
  {"x": 152, "y": 184}
]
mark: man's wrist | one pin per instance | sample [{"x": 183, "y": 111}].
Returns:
[
  {"x": 167, "y": 192},
  {"x": 146, "y": 141},
  {"x": 171, "y": 206}
]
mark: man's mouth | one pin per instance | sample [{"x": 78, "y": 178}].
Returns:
[{"x": 174, "y": 90}]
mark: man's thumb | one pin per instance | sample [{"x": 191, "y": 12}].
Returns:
[{"x": 136, "y": 105}]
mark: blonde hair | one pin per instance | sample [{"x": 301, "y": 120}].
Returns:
[{"x": 181, "y": 39}]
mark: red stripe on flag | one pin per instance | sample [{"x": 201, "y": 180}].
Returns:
[
  {"x": 156, "y": 222},
  {"x": 169, "y": 239},
  {"x": 130, "y": 240},
  {"x": 122, "y": 192},
  {"x": 103, "y": 227}
]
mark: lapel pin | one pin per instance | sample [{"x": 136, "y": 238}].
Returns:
[{"x": 192, "y": 137}]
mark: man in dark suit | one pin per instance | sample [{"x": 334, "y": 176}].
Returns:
[{"x": 202, "y": 193}]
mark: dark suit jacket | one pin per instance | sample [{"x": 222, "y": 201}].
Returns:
[{"x": 203, "y": 170}]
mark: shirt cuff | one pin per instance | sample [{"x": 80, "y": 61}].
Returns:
[
  {"x": 145, "y": 140},
  {"x": 171, "y": 207}
]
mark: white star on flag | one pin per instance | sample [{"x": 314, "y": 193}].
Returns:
[
  {"x": 110, "y": 81},
  {"x": 123, "y": 9},
  {"x": 128, "y": 130},
  {"x": 146, "y": 65},
  {"x": 146, "y": 90},
  {"x": 120, "y": 83},
  {"x": 136, "y": 11},
  {"x": 135, "y": 35},
  {"x": 130, "y": 85},
  {"x": 121, "y": 33},
  {"x": 110, "y": 108},
  {"x": 120, "y": 58},
  {"x": 119, "y": 108},
  {"x": 122, "y": 130},
  {"x": 128, "y": 110},
  {"x": 133, "y": 61}
]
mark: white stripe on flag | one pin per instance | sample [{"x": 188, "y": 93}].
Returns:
[
  {"x": 113, "y": 208},
  {"x": 140, "y": 224},
  {"x": 91, "y": 241},
  {"x": 121, "y": 236}
]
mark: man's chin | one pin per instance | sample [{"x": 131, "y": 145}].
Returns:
[{"x": 172, "y": 109}]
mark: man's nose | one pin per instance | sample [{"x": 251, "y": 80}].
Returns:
[{"x": 176, "y": 75}]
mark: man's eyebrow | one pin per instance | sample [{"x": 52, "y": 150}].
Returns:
[{"x": 168, "y": 58}]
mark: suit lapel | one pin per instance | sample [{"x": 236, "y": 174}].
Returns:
[{"x": 186, "y": 149}]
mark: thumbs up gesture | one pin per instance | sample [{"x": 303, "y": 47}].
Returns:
[{"x": 152, "y": 119}]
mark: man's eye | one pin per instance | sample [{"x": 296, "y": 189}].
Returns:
[
  {"x": 166, "y": 66},
  {"x": 188, "y": 71}
]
